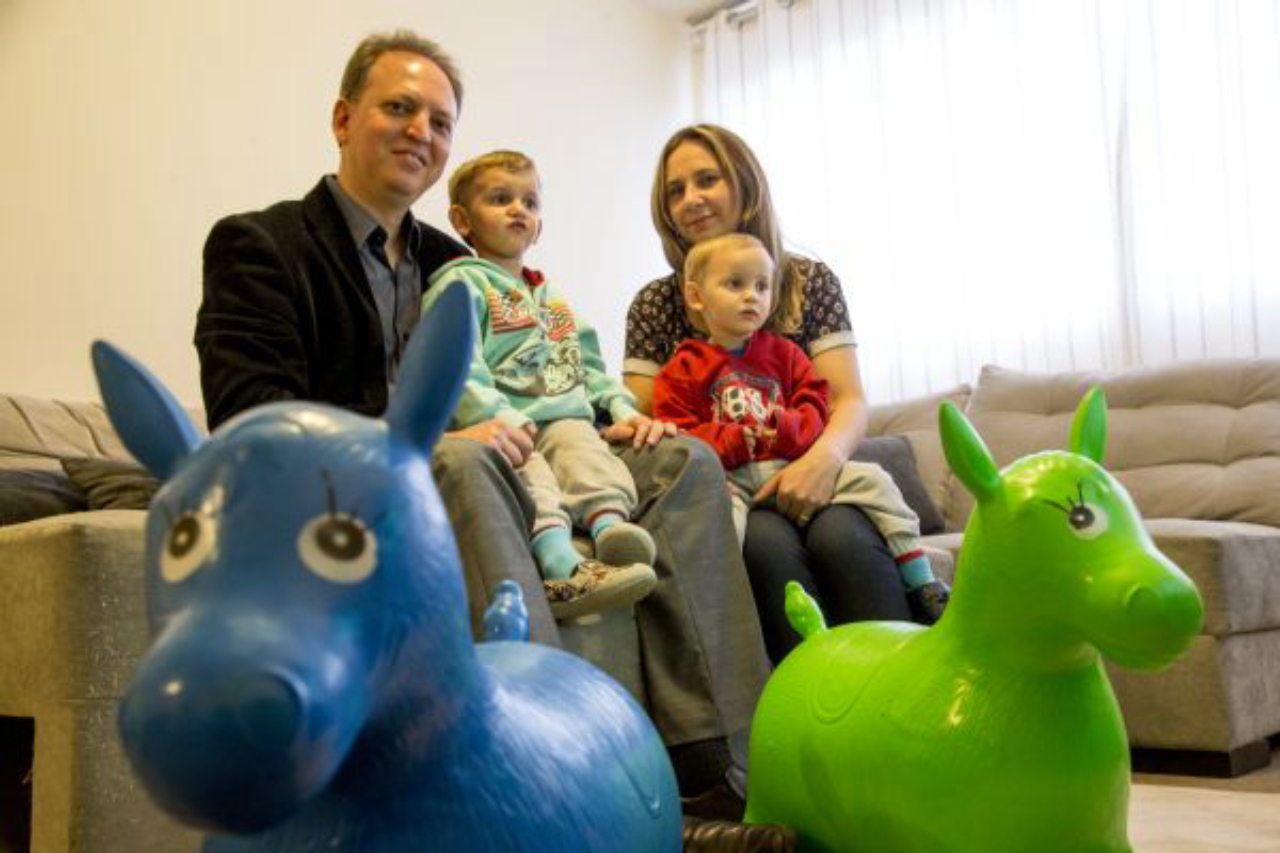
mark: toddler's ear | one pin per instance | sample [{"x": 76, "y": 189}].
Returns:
[
  {"x": 692, "y": 295},
  {"x": 459, "y": 220}
]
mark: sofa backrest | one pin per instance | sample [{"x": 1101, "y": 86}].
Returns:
[
  {"x": 35, "y": 432},
  {"x": 1195, "y": 439},
  {"x": 917, "y": 419}
]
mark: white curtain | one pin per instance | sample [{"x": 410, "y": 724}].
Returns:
[{"x": 1041, "y": 184}]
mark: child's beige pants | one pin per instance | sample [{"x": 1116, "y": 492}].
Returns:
[
  {"x": 862, "y": 484},
  {"x": 573, "y": 476}
]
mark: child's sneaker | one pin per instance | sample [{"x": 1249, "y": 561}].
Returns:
[
  {"x": 928, "y": 602},
  {"x": 623, "y": 543},
  {"x": 594, "y": 587}
]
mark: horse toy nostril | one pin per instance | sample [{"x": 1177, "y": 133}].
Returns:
[
  {"x": 995, "y": 730},
  {"x": 1141, "y": 603},
  {"x": 269, "y": 711}
]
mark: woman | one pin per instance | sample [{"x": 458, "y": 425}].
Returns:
[{"x": 708, "y": 184}]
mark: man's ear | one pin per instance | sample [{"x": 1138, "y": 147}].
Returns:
[
  {"x": 459, "y": 220},
  {"x": 341, "y": 120}
]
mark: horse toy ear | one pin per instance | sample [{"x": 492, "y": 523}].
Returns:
[
  {"x": 967, "y": 454},
  {"x": 149, "y": 420},
  {"x": 434, "y": 369},
  {"x": 1089, "y": 426}
]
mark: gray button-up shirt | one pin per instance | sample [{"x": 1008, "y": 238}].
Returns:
[{"x": 398, "y": 292}]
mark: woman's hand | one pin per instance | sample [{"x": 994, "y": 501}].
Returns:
[
  {"x": 639, "y": 430},
  {"x": 805, "y": 485}
]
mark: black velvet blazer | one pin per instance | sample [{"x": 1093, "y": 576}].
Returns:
[{"x": 287, "y": 312}]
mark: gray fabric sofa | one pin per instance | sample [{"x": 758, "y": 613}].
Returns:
[
  {"x": 73, "y": 627},
  {"x": 1197, "y": 444}
]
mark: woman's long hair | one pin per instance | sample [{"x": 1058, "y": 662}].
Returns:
[{"x": 750, "y": 187}]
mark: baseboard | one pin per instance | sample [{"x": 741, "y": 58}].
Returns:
[{"x": 1190, "y": 762}]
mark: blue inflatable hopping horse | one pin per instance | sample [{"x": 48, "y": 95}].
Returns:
[{"x": 313, "y": 684}]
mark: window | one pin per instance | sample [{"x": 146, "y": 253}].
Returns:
[{"x": 1064, "y": 185}]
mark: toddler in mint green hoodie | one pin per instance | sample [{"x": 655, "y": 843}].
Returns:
[{"x": 538, "y": 367}]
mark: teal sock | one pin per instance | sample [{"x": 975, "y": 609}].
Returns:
[
  {"x": 603, "y": 522},
  {"x": 554, "y": 552},
  {"x": 915, "y": 568}
]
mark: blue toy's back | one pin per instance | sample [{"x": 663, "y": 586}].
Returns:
[{"x": 313, "y": 683}]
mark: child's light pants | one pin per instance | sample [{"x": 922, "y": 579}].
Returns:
[
  {"x": 573, "y": 476},
  {"x": 862, "y": 484}
]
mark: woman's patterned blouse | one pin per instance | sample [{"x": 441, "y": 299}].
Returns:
[{"x": 657, "y": 322}]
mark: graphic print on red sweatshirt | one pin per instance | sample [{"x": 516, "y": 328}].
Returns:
[{"x": 745, "y": 398}]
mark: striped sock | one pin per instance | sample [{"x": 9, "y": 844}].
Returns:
[
  {"x": 554, "y": 552},
  {"x": 915, "y": 568}
]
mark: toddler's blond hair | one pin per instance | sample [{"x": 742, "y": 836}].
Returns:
[
  {"x": 463, "y": 177},
  {"x": 699, "y": 257}
]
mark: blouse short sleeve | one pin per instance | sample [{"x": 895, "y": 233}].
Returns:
[
  {"x": 824, "y": 323},
  {"x": 656, "y": 326}
]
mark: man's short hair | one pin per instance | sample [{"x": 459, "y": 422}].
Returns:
[
  {"x": 463, "y": 177},
  {"x": 699, "y": 257},
  {"x": 356, "y": 74}
]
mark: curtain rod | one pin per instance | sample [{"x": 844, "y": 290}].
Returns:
[{"x": 740, "y": 7}]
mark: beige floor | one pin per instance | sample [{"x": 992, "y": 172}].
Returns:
[{"x": 1182, "y": 814}]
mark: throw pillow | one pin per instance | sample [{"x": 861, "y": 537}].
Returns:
[
  {"x": 111, "y": 484},
  {"x": 893, "y": 453},
  {"x": 26, "y": 495}
]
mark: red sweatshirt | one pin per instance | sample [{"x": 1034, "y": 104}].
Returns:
[{"x": 717, "y": 397}]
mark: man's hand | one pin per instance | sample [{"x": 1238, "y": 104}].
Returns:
[
  {"x": 639, "y": 430},
  {"x": 515, "y": 444}
]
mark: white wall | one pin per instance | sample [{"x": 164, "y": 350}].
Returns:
[{"x": 130, "y": 126}]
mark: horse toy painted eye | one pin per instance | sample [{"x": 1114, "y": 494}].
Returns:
[
  {"x": 995, "y": 730},
  {"x": 313, "y": 684}
]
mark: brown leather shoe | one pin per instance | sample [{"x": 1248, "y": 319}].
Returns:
[{"x": 721, "y": 836}]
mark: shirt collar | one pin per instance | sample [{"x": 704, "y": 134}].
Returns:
[{"x": 362, "y": 225}]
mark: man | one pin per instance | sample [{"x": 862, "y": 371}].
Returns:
[{"x": 315, "y": 299}]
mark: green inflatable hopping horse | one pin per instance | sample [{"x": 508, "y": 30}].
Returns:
[{"x": 996, "y": 729}]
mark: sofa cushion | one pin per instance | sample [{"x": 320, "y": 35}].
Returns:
[
  {"x": 28, "y": 495},
  {"x": 1233, "y": 564},
  {"x": 917, "y": 419},
  {"x": 943, "y": 549},
  {"x": 112, "y": 484},
  {"x": 893, "y": 453},
  {"x": 1195, "y": 439},
  {"x": 36, "y": 433},
  {"x": 34, "y": 430}
]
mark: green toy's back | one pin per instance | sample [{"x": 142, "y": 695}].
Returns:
[{"x": 996, "y": 729}]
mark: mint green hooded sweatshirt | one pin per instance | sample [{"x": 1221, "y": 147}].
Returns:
[{"x": 534, "y": 361}]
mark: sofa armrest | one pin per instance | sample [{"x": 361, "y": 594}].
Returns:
[
  {"x": 74, "y": 622},
  {"x": 1235, "y": 565}
]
